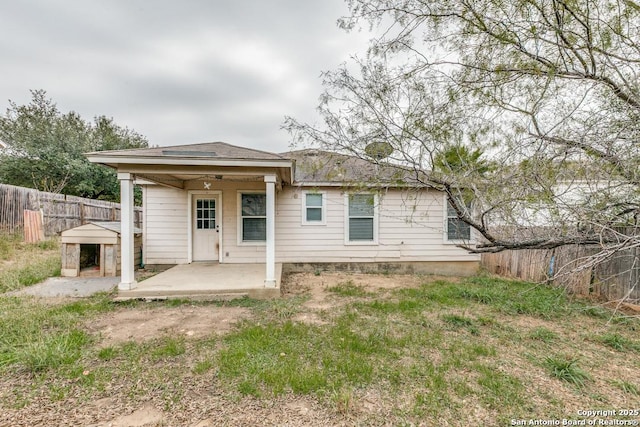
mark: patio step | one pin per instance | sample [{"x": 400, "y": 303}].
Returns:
[
  {"x": 198, "y": 295},
  {"x": 126, "y": 296}
]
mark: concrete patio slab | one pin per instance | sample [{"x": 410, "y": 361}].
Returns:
[{"x": 207, "y": 280}]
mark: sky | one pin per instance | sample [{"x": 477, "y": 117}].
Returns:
[{"x": 177, "y": 72}]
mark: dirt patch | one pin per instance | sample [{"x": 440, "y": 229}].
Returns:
[
  {"x": 141, "y": 324},
  {"x": 147, "y": 415},
  {"x": 302, "y": 283},
  {"x": 321, "y": 299},
  {"x": 145, "y": 324}
]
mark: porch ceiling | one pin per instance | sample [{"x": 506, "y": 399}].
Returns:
[
  {"x": 175, "y": 176},
  {"x": 180, "y": 181}
]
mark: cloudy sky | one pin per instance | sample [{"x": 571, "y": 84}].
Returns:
[{"x": 178, "y": 72}]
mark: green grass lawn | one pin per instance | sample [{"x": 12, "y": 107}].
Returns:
[
  {"x": 23, "y": 264},
  {"x": 476, "y": 351}
]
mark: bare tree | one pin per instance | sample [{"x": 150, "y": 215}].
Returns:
[{"x": 530, "y": 109}]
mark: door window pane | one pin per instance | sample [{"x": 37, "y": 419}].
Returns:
[{"x": 205, "y": 214}]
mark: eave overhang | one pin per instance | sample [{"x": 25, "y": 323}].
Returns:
[
  {"x": 115, "y": 161},
  {"x": 347, "y": 184},
  {"x": 154, "y": 167}
]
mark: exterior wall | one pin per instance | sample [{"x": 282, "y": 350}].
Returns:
[
  {"x": 410, "y": 228},
  {"x": 165, "y": 225},
  {"x": 232, "y": 250}
]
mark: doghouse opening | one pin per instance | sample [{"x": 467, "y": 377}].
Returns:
[{"x": 89, "y": 259}]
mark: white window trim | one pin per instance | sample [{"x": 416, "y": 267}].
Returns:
[
  {"x": 445, "y": 228},
  {"x": 241, "y": 242},
  {"x": 373, "y": 242},
  {"x": 323, "y": 208}
]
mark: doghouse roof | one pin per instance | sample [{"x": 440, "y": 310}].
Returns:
[{"x": 113, "y": 226}]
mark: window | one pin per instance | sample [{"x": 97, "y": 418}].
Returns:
[
  {"x": 313, "y": 209},
  {"x": 253, "y": 217},
  {"x": 361, "y": 218},
  {"x": 456, "y": 228},
  {"x": 205, "y": 214}
]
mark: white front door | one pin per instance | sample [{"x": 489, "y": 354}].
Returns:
[{"x": 205, "y": 228}]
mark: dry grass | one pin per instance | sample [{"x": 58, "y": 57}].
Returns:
[
  {"x": 23, "y": 264},
  {"x": 336, "y": 350}
]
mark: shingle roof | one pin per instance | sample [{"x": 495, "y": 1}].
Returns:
[
  {"x": 312, "y": 165},
  {"x": 218, "y": 150},
  {"x": 318, "y": 166}
]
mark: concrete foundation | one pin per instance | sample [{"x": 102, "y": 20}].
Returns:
[{"x": 444, "y": 268}]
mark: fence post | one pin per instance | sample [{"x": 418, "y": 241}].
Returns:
[{"x": 81, "y": 206}]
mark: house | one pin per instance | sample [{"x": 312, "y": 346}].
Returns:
[{"x": 308, "y": 208}]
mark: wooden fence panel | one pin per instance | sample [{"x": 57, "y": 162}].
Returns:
[
  {"x": 570, "y": 270},
  {"x": 59, "y": 212},
  {"x": 33, "y": 229},
  {"x": 614, "y": 279},
  {"x": 618, "y": 277},
  {"x": 532, "y": 265}
]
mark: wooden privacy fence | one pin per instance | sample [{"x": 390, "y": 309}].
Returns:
[
  {"x": 59, "y": 212},
  {"x": 615, "y": 278}
]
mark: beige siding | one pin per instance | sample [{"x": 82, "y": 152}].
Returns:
[
  {"x": 410, "y": 228},
  {"x": 232, "y": 252},
  {"x": 165, "y": 240}
]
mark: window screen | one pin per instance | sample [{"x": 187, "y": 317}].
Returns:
[
  {"x": 361, "y": 217},
  {"x": 456, "y": 228},
  {"x": 254, "y": 217},
  {"x": 313, "y": 207}
]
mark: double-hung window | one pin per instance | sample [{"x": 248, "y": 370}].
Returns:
[
  {"x": 361, "y": 221},
  {"x": 456, "y": 228},
  {"x": 313, "y": 210},
  {"x": 253, "y": 217}
]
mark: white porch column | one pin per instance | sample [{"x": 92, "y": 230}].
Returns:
[
  {"x": 127, "y": 277},
  {"x": 270, "y": 280}
]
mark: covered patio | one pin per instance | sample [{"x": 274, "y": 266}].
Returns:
[
  {"x": 210, "y": 209},
  {"x": 206, "y": 280}
]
